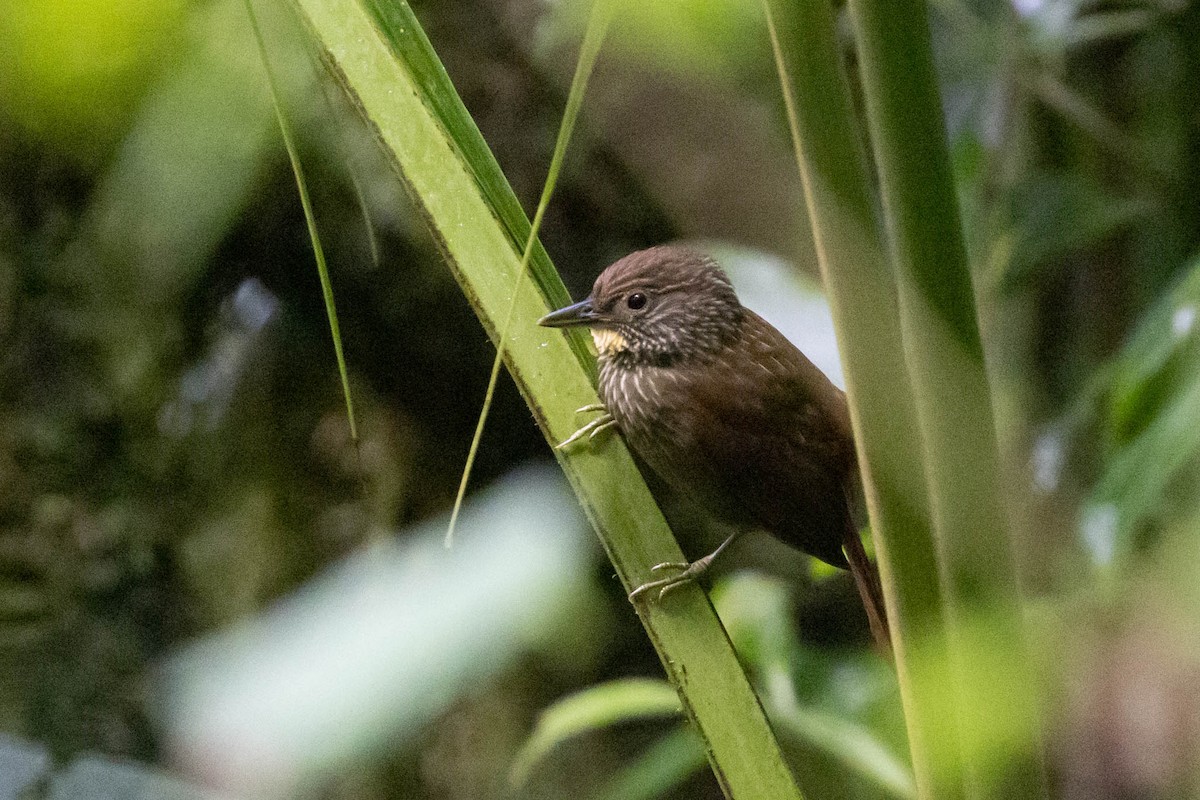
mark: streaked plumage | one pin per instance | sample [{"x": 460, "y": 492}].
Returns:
[{"x": 720, "y": 404}]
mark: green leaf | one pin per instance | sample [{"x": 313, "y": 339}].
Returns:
[
  {"x": 1055, "y": 215},
  {"x": 944, "y": 355},
  {"x": 662, "y": 767},
  {"x": 370, "y": 652},
  {"x": 602, "y": 11},
  {"x": 852, "y": 745},
  {"x": 1154, "y": 402},
  {"x": 757, "y": 612},
  {"x": 831, "y": 155},
  {"x": 391, "y": 73},
  {"x": 1158, "y": 356},
  {"x": 592, "y": 709}
]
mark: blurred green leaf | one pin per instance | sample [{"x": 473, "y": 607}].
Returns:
[
  {"x": 1101, "y": 26},
  {"x": 1148, "y": 401},
  {"x": 378, "y": 646},
  {"x": 840, "y": 191},
  {"x": 852, "y": 745},
  {"x": 1055, "y": 215},
  {"x": 660, "y": 768},
  {"x": 713, "y": 40},
  {"x": 591, "y": 709},
  {"x": 1160, "y": 354},
  {"x": 189, "y": 163},
  {"x": 756, "y": 610},
  {"x": 1132, "y": 488},
  {"x": 72, "y": 71},
  {"x": 994, "y": 730}
]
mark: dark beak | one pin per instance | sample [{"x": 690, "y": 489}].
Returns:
[{"x": 580, "y": 313}]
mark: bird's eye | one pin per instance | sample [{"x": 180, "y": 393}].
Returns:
[{"x": 636, "y": 300}]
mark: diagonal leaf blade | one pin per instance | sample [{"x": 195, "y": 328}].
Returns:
[{"x": 371, "y": 47}]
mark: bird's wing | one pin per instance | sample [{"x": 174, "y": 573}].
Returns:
[{"x": 775, "y": 436}]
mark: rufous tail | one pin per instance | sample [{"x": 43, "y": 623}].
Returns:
[{"x": 866, "y": 579}]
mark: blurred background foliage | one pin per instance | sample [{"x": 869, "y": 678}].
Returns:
[{"x": 175, "y": 458}]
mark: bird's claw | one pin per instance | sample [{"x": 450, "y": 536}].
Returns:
[
  {"x": 592, "y": 429},
  {"x": 687, "y": 574}
]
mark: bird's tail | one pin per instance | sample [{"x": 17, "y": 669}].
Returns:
[{"x": 866, "y": 579}]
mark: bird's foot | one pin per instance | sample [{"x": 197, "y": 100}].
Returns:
[
  {"x": 686, "y": 574},
  {"x": 593, "y": 428}
]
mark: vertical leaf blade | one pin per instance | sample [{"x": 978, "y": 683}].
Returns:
[
  {"x": 953, "y": 399},
  {"x": 862, "y": 297}
]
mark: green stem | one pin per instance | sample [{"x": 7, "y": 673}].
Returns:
[
  {"x": 388, "y": 68},
  {"x": 945, "y": 361},
  {"x": 862, "y": 298}
]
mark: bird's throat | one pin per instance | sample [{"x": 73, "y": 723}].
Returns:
[{"x": 608, "y": 341}]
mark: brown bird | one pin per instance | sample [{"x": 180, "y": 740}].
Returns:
[{"x": 725, "y": 409}]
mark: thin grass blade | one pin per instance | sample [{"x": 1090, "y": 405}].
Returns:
[
  {"x": 289, "y": 141},
  {"x": 593, "y": 39}
]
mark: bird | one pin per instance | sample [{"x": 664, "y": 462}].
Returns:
[{"x": 725, "y": 410}]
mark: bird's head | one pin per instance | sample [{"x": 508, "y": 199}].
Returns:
[{"x": 658, "y": 306}]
